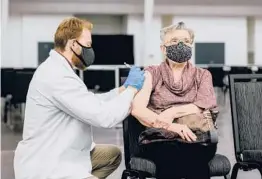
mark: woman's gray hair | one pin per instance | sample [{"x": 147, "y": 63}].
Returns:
[{"x": 178, "y": 26}]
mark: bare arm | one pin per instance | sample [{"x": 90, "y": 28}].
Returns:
[
  {"x": 140, "y": 111},
  {"x": 179, "y": 111},
  {"x": 184, "y": 110}
]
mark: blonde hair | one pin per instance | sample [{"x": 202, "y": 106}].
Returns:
[
  {"x": 178, "y": 26},
  {"x": 70, "y": 28}
]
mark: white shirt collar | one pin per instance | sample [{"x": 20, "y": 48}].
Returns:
[{"x": 60, "y": 58}]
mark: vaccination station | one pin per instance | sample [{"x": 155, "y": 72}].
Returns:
[{"x": 131, "y": 89}]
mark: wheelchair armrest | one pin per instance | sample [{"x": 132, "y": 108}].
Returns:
[{"x": 214, "y": 114}]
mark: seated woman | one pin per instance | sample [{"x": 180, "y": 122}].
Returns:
[{"x": 174, "y": 89}]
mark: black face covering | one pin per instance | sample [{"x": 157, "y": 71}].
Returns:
[
  {"x": 179, "y": 52},
  {"x": 87, "y": 56}
]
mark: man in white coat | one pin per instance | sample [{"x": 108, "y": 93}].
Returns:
[{"x": 57, "y": 138}]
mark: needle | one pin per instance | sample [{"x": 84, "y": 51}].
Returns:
[{"x": 127, "y": 65}]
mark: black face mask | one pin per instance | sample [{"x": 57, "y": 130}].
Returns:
[
  {"x": 87, "y": 56},
  {"x": 179, "y": 53}
]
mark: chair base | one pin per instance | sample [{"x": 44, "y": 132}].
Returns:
[
  {"x": 134, "y": 174},
  {"x": 245, "y": 166}
]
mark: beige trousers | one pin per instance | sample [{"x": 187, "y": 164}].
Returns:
[{"x": 105, "y": 160}]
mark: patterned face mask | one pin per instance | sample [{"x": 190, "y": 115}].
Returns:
[{"x": 179, "y": 52}]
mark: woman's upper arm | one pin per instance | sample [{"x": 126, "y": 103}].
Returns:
[{"x": 142, "y": 98}]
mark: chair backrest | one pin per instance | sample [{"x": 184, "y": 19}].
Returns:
[
  {"x": 246, "y": 109},
  {"x": 240, "y": 70},
  {"x": 131, "y": 131},
  {"x": 7, "y": 76},
  {"x": 217, "y": 75},
  {"x": 102, "y": 79},
  {"x": 21, "y": 84},
  {"x": 259, "y": 70}
]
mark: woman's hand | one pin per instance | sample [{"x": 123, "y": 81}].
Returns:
[{"x": 183, "y": 131}]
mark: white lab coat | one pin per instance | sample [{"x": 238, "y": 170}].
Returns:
[{"x": 57, "y": 136}]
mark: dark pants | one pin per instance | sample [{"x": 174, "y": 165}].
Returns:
[{"x": 175, "y": 159}]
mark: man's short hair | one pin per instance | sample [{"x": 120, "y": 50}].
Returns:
[{"x": 70, "y": 28}]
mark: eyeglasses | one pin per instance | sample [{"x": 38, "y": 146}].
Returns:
[{"x": 175, "y": 41}]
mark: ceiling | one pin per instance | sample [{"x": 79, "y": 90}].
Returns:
[{"x": 162, "y": 2}]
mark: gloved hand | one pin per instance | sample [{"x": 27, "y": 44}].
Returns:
[{"x": 135, "y": 78}]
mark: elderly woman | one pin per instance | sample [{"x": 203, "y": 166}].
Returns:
[{"x": 174, "y": 89}]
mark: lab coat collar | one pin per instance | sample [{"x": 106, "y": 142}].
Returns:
[{"x": 61, "y": 59}]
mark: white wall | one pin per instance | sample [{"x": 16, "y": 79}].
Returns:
[
  {"x": 37, "y": 28},
  {"x": 258, "y": 41},
  {"x": 230, "y": 30},
  {"x": 106, "y": 24},
  {"x": 135, "y": 26},
  {"x": 24, "y": 33},
  {"x": 12, "y": 53}
]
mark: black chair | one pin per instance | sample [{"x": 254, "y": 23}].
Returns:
[
  {"x": 259, "y": 70},
  {"x": 7, "y": 87},
  {"x": 137, "y": 167},
  {"x": 217, "y": 75},
  {"x": 22, "y": 80},
  {"x": 246, "y": 109},
  {"x": 7, "y": 76},
  {"x": 240, "y": 70}
]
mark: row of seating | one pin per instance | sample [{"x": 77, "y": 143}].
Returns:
[
  {"x": 16, "y": 81},
  {"x": 246, "y": 109}
]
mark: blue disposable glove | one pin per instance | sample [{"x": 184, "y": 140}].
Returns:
[{"x": 135, "y": 78}]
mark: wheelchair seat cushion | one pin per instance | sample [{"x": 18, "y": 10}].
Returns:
[
  {"x": 252, "y": 156},
  {"x": 144, "y": 165},
  {"x": 219, "y": 166}
]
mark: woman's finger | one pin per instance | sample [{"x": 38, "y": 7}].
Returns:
[
  {"x": 192, "y": 136},
  {"x": 186, "y": 134},
  {"x": 180, "y": 133}
]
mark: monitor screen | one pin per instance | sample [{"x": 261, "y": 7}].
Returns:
[
  {"x": 113, "y": 49},
  {"x": 209, "y": 53}
]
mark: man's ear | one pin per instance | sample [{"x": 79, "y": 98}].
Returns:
[{"x": 71, "y": 43}]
